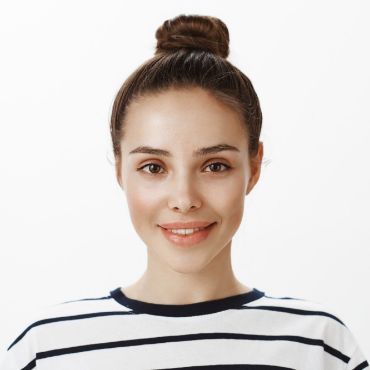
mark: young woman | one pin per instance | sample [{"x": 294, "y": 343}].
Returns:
[{"x": 185, "y": 129}]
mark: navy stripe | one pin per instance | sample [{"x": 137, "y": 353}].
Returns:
[
  {"x": 294, "y": 311},
  {"x": 30, "y": 366},
  {"x": 67, "y": 318},
  {"x": 233, "y": 366},
  {"x": 97, "y": 314},
  {"x": 291, "y": 298},
  {"x": 88, "y": 299},
  {"x": 363, "y": 365},
  {"x": 192, "y": 337}
]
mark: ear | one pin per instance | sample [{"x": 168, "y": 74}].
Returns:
[
  {"x": 256, "y": 162},
  {"x": 118, "y": 173}
]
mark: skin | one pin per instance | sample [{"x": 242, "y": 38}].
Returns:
[{"x": 185, "y": 188}]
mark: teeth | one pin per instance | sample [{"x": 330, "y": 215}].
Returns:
[{"x": 185, "y": 231}]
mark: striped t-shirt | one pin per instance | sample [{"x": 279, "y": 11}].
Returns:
[{"x": 245, "y": 331}]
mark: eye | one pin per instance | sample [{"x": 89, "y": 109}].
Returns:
[
  {"x": 155, "y": 165},
  {"x": 149, "y": 164},
  {"x": 217, "y": 164}
]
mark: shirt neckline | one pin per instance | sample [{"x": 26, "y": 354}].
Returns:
[{"x": 190, "y": 309}]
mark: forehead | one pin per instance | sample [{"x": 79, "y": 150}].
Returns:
[{"x": 186, "y": 117}]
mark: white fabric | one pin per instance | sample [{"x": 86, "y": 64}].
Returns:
[{"x": 103, "y": 334}]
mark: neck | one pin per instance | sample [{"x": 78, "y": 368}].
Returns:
[{"x": 162, "y": 284}]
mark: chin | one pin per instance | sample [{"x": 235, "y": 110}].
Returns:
[{"x": 191, "y": 265}]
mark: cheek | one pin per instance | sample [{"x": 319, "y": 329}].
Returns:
[
  {"x": 142, "y": 204},
  {"x": 228, "y": 201}
]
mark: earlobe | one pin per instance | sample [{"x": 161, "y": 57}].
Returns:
[
  {"x": 255, "y": 168},
  {"x": 118, "y": 174},
  {"x": 120, "y": 182},
  {"x": 250, "y": 186}
]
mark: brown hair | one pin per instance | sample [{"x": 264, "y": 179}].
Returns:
[{"x": 191, "y": 51}]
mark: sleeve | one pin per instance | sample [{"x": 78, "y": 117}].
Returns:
[
  {"x": 357, "y": 361},
  {"x": 340, "y": 336},
  {"x": 21, "y": 353}
]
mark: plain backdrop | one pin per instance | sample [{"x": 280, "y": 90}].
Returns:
[{"x": 65, "y": 230}]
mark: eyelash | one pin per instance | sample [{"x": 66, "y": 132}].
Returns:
[{"x": 156, "y": 164}]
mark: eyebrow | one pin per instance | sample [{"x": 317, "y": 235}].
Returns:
[{"x": 197, "y": 153}]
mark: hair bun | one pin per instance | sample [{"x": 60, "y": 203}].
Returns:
[{"x": 193, "y": 32}]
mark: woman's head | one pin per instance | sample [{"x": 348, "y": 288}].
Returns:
[
  {"x": 191, "y": 51},
  {"x": 187, "y": 98}
]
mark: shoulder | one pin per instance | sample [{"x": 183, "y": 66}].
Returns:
[
  {"x": 38, "y": 331},
  {"x": 298, "y": 309},
  {"x": 311, "y": 322},
  {"x": 301, "y": 306},
  {"x": 63, "y": 311}
]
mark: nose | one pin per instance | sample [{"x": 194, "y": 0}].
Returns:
[{"x": 183, "y": 195}]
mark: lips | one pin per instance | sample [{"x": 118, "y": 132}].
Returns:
[
  {"x": 188, "y": 240},
  {"x": 186, "y": 225}
]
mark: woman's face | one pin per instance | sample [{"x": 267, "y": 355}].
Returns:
[{"x": 182, "y": 186}]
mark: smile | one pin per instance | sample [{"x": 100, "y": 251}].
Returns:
[{"x": 187, "y": 237}]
